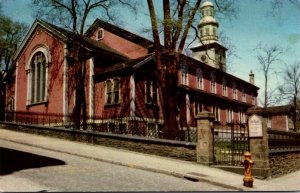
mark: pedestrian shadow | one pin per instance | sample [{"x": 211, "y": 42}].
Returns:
[{"x": 12, "y": 160}]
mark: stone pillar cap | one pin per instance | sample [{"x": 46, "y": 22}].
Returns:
[{"x": 205, "y": 115}]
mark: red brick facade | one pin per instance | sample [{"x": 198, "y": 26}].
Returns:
[{"x": 131, "y": 72}]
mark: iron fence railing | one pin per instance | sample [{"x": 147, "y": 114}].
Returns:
[
  {"x": 230, "y": 143},
  {"x": 137, "y": 126},
  {"x": 283, "y": 140}
]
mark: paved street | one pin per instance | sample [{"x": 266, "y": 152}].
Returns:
[
  {"x": 53, "y": 171},
  {"x": 52, "y": 164}
]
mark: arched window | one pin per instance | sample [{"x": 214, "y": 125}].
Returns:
[
  {"x": 108, "y": 92},
  {"x": 112, "y": 91},
  {"x": 38, "y": 78},
  {"x": 224, "y": 87},
  {"x": 116, "y": 94},
  {"x": 199, "y": 79},
  {"x": 11, "y": 104},
  {"x": 151, "y": 92},
  {"x": 234, "y": 91},
  {"x": 243, "y": 94},
  {"x": 184, "y": 74},
  {"x": 207, "y": 31},
  {"x": 212, "y": 83},
  {"x": 100, "y": 34}
]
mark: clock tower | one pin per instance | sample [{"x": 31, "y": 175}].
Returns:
[{"x": 209, "y": 50}]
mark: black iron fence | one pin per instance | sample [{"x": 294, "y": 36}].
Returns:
[
  {"x": 34, "y": 118},
  {"x": 230, "y": 143},
  {"x": 137, "y": 126},
  {"x": 283, "y": 140}
]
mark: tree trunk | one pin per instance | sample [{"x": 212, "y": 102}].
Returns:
[{"x": 170, "y": 111}]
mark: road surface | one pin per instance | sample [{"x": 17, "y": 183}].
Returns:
[{"x": 27, "y": 168}]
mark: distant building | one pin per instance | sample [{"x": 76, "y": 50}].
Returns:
[
  {"x": 278, "y": 117},
  {"x": 120, "y": 79}
]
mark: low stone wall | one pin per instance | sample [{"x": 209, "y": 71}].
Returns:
[
  {"x": 284, "y": 163},
  {"x": 166, "y": 148}
]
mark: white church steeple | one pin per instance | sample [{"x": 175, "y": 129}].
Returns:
[
  {"x": 208, "y": 26},
  {"x": 209, "y": 50}
]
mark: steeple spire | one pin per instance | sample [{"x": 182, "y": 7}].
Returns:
[
  {"x": 208, "y": 26},
  {"x": 209, "y": 50}
]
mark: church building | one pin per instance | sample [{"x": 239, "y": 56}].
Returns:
[{"x": 120, "y": 82}]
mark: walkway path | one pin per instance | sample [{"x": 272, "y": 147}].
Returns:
[{"x": 153, "y": 163}]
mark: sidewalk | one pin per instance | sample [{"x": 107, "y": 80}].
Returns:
[{"x": 153, "y": 163}]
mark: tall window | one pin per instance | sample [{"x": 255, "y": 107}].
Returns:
[
  {"x": 151, "y": 92},
  {"x": 200, "y": 79},
  {"x": 229, "y": 116},
  {"x": 234, "y": 91},
  {"x": 38, "y": 82},
  {"x": 216, "y": 112},
  {"x": 212, "y": 83},
  {"x": 100, "y": 34},
  {"x": 253, "y": 99},
  {"x": 11, "y": 104},
  {"x": 113, "y": 91},
  {"x": 224, "y": 87},
  {"x": 184, "y": 75},
  {"x": 198, "y": 107},
  {"x": 242, "y": 115},
  {"x": 243, "y": 95},
  {"x": 207, "y": 31}
]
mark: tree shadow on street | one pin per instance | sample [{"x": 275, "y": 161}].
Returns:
[{"x": 12, "y": 160}]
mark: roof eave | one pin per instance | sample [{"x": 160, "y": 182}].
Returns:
[{"x": 30, "y": 33}]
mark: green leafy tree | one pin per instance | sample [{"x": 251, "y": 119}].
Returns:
[{"x": 11, "y": 34}]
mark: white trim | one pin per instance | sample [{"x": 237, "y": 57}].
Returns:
[
  {"x": 91, "y": 88},
  {"x": 16, "y": 84},
  {"x": 30, "y": 32},
  {"x": 132, "y": 96},
  {"x": 200, "y": 84},
  {"x": 213, "y": 83},
  {"x": 65, "y": 84},
  {"x": 188, "y": 109},
  {"x": 102, "y": 34},
  {"x": 46, "y": 52},
  {"x": 286, "y": 123},
  {"x": 184, "y": 75}
]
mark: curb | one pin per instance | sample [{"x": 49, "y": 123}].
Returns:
[{"x": 174, "y": 174}]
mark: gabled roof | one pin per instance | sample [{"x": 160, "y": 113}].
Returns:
[
  {"x": 65, "y": 36},
  {"x": 212, "y": 69},
  {"x": 283, "y": 109},
  {"x": 118, "y": 31},
  {"x": 38, "y": 22},
  {"x": 132, "y": 64}
]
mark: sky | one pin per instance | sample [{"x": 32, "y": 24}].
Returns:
[{"x": 253, "y": 24}]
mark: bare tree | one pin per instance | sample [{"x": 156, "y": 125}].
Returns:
[
  {"x": 73, "y": 14},
  {"x": 178, "y": 18},
  {"x": 277, "y": 5},
  {"x": 290, "y": 89},
  {"x": 268, "y": 56}
]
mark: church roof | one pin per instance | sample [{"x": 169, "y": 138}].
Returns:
[
  {"x": 132, "y": 64},
  {"x": 207, "y": 3},
  {"x": 120, "y": 32},
  {"x": 66, "y": 35},
  {"x": 283, "y": 109}
]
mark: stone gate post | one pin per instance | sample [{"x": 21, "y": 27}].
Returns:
[
  {"x": 259, "y": 148},
  {"x": 205, "y": 144}
]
